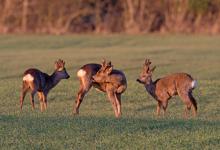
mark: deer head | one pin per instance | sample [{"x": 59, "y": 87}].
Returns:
[
  {"x": 60, "y": 70},
  {"x": 146, "y": 74},
  {"x": 104, "y": 71}
]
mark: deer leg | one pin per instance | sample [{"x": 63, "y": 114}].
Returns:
[
  {"x": 44, "y": 101},
  {"x": 187, "y": 109},
  {"x": 194, "y": 103},
  {"x": 85, "y": 86},
  {"x": 33, "y": 92},
  {"x": 32, "y": 99},
  {"x": 118, "y": 102},
  {"x": 158, "y": 108},
  {"x": 164, "y": 104},
  {"x": 186, "y": 99},
  {"x": 40, "y": 95},
  {"x": 113, "y": 100},
  {"x": 23, "y": 94},
  {"x": 41, "y": 106},
  {"x": 81, "y": 94}
]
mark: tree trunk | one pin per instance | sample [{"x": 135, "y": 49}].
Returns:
[
  {"x": 131, "y": 25},
  {"x": 24, "y": 20}
]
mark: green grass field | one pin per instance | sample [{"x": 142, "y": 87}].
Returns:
[{"x": 96, "y": 126}]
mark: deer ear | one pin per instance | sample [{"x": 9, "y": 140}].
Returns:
[
  {"x": 103, "y": 62},
  {"x": 153, "y": 69},
  {"x": 147, "y": 62},
  {"x": 63, "y": 63},
  {"x": 55, "y": 65},
  {"x": 109, "y": 70},
  {"x": 109, "y": 63}
]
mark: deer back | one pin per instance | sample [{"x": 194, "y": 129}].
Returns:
[
  {"x": 174, "y": 83},
  {"x": 85, "y": 74},
  {"x": 116, "y": 77},
  {"x": 38, "y": 78},
  {"x": 88, "y": 70},
  {"x": 117, "y": 80}
]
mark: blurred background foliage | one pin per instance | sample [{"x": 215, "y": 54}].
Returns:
[{"x": 109, "y": 16}]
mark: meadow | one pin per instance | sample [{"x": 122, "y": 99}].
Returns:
[{"x": 96, "y": 127}]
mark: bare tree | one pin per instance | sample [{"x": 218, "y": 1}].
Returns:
[{"x": 24, "y": 15}]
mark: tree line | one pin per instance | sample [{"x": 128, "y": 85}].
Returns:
[{"x": 109, "y": 16}]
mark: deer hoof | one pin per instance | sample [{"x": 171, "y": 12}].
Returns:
[
  {"x": 118, "y": 116},
  {"x": 76, "y": 112}
]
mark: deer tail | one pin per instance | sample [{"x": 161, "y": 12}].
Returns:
[
  {"x": 194, "y": 84},
  {"x": 192, "y": 99},
  {"x": 81, "y": 73}
]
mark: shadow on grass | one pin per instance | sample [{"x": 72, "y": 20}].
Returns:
[
  {"x": 129, "y": 125},
  {"x": 89, "y": 132},
  {"x": 144, "y": 108}
]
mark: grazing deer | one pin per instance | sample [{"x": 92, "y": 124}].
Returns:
[
  {"x": 41, "y": 83},
  {"x": 104, "y": 78},
  {"x": 163, "y": 89}
]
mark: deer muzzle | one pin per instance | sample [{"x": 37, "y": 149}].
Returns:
[{"x": 139, "y": 81}]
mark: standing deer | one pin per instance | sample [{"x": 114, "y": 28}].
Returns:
[
  {"x": 104, "y": 78},
  {"x": 41, "y": 83},
  {"x": 163, "y": 89}
]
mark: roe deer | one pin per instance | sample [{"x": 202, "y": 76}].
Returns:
[
  {"x": 163, "y": 89},
  {"x": 41, "y": 83},
  {"x": 104, "y": 78}
]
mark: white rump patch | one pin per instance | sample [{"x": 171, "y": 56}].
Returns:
[
  {"x": 194, "y": 84},
  {"x": 28, "y": 77},
  {"x": 81, "y": 73}
]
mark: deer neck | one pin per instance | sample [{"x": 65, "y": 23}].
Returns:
[
  {"x": 55, "y": 79},
  {"x": 150, "y": 87},
  {"x": 52, "y": 81}
]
